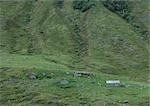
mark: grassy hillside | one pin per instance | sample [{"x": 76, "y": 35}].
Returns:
[
  {"x": 57, "y": 37},
  {"x": 140, "y": 11}
]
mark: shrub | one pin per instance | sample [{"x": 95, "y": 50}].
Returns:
[
  {"x": 82, "y": 5},
  {"x": 59, "y": 3},
  {"x": 119, "y": 7}
]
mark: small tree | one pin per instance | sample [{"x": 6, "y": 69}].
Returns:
[
  {"x": 82, "y": 5},
  {"x": 59, "y": 3},
  {"x": 119, "y": 7}
]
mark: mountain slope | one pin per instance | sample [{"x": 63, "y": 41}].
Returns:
[
  {"x": 95, "y": 37},
  {"x": 53, "y": 38}
]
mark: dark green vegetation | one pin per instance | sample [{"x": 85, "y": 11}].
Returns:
[
  {"x": 52, "y": 38},
  {"x": 126, "y": 10},
  {"x": 120, "y": 7},
  {"x": 83, "y": 5}
]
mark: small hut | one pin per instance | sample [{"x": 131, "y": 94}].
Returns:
[
  {"x": 83, "y": 74},
  {"x": 115, "y": 83}
]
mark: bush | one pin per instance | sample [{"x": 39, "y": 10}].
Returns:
[
  {"x": 82, "y": 5},
  {"x": 59, "y": 3},
  {"x": 119, "y": 7}
]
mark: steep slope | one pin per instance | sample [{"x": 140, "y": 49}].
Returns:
[
  {"x": 140, "y": 12},
  {"x": 42, "y": 43},
  {"x": 95, "y": 39}
]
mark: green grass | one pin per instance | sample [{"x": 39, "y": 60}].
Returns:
[
  {"x": 41, "y": 38},
  {"x": 22, "y": 61},
  {"x": 18, "y": 89}
]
